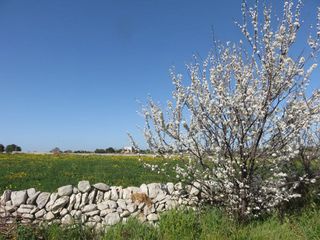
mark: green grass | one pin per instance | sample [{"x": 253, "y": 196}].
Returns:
[
  {"x": 48, "y": 172},
  {"x": 211, "y": 224}
]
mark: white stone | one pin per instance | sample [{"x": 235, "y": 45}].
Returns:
[
  {"x": 161, "y": 195},
  {"x": 78, "y": 201},
  {"x": 84, "y": 186},
  {"x": 90, "y": 224},
  {"x": 42, "y": 199},
  {"x": 31, "y": 191},
  {"x": 122, "y": 203},
  {"x": 60, "y": 203},
  {"x": 9, "y": 209},
  {"x": 92, "y": 196},
  {"x": 102, "y": 205},
  {"x": 126, "y": 193},
  {"x": 112, "y": 204},
  {"x": 170, "y": 187},
  {"x": 132, "y": 207},
  {"x": 53, "y": 198},
  {"x": 75, "y": 190},
  {"x": 125, "y": 213},
  {"x": 23, "y": 210},
  {"x": 195, "y": 189},
  {"x": 67, "y": 220},
  {"x": 49, "y": 216},
  {"x": 95, "y": 218},
  {"x": 107, "y": 195},
  {"x": 65, "y": 190},
  {"x": 154, "y": 189},
  {"x": 40, "y": 213},
  {"x": 27, "y": 216},
  {"x": 18, "y": 197},
  {"x": 152, "y": 217},
  {"x": 114, "y": 194},
  {"x": 89, "y": 208},
  {"x": 63, "y": 212},
  {"x": 105, "y": 212},
  {"x": 84, "y": 199},
  {"x": 32, "y": 198},
  {"x": 112, "y": 219},
  {"x": 92, "y": 213},
  {"x": 72, "y": 201},
  {"x": 102, "y": 187},
  {"x": 5, "y": 197},
  {"x": 99, "y": 197},
  {"x": 144, "y": 189}
]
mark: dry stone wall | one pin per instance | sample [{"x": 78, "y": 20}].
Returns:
[{"x": 97, "y": 205}]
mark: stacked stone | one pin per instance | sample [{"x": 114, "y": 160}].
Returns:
[{"x": 95, "y": 205}]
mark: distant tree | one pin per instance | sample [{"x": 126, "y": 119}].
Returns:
[
  {"x": 12, "y": 148},
  {"x": 100, "y": 150},
  {"x": 82, "y": 151},
  {"x": 56, "y": 150},
  {"x": 110, "y": 150},
  {"x": 1, "y": 148},
  {"x": 68, "y": 151}
]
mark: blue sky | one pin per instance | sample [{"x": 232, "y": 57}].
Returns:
[{"x": 71, "y": 71}]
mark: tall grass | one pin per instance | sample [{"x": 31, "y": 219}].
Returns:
[{"x": 210, "y": 224}]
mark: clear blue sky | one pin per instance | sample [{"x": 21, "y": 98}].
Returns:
[{"x": 72, "y": 70}]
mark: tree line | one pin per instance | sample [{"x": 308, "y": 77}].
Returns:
[{"x": 10, "y": 148}]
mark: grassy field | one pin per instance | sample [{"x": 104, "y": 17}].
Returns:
[{"x": 48, "y": 172}]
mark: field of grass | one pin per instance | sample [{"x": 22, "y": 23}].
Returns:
[{"x": 48, "y": 172}]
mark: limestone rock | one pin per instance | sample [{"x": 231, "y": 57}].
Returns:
[
  {"x": 170, "y": 187},
  {"x": 27, "y": 216},
  {"x": 72, "y": 201},
  {"x": 18, "y": 197},
  {"x": 67, "y": 220},
  {"x": 53, "y": 198},
  {"x": 31, "y": 192},
  {"x": 84, "y": 186},
  {"x": 89, "y": 208},
  {"x": 60, "y": 203},
  {"x": 92, "y": 196},
  {"x": 5, "y": 197},
  {"x": 78, "y": 201},
  {"x": 49, "y": 216},
  {"x": 122, "y": 203},
  {"x": 102, "y": 205},
  {"x": 107, "y": 195},
  {"x": 65, "y": 190},
  {"x": 99, "y": 197},
  {"x": 114, "y": 194},
  {"x": 32, "y": 198},
  {"x": 154, "y": 189},
  {"x": 132, "y": 207},
  {"x": 63, "y": 212},
  {"x": 42, "y": 199},
  {"x": 84, "y": 199},
  {"x": 40, "y": 213},
  {"x": 102, "y": 187},
  {"x": 152, "y": 217},
  {"x": 92, "y": 213},
  {"x": 144, "y": 189},
  {"x": 112, "y": 219}
]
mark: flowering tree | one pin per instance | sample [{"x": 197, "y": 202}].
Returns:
[{"x": 245, "y": 114}]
